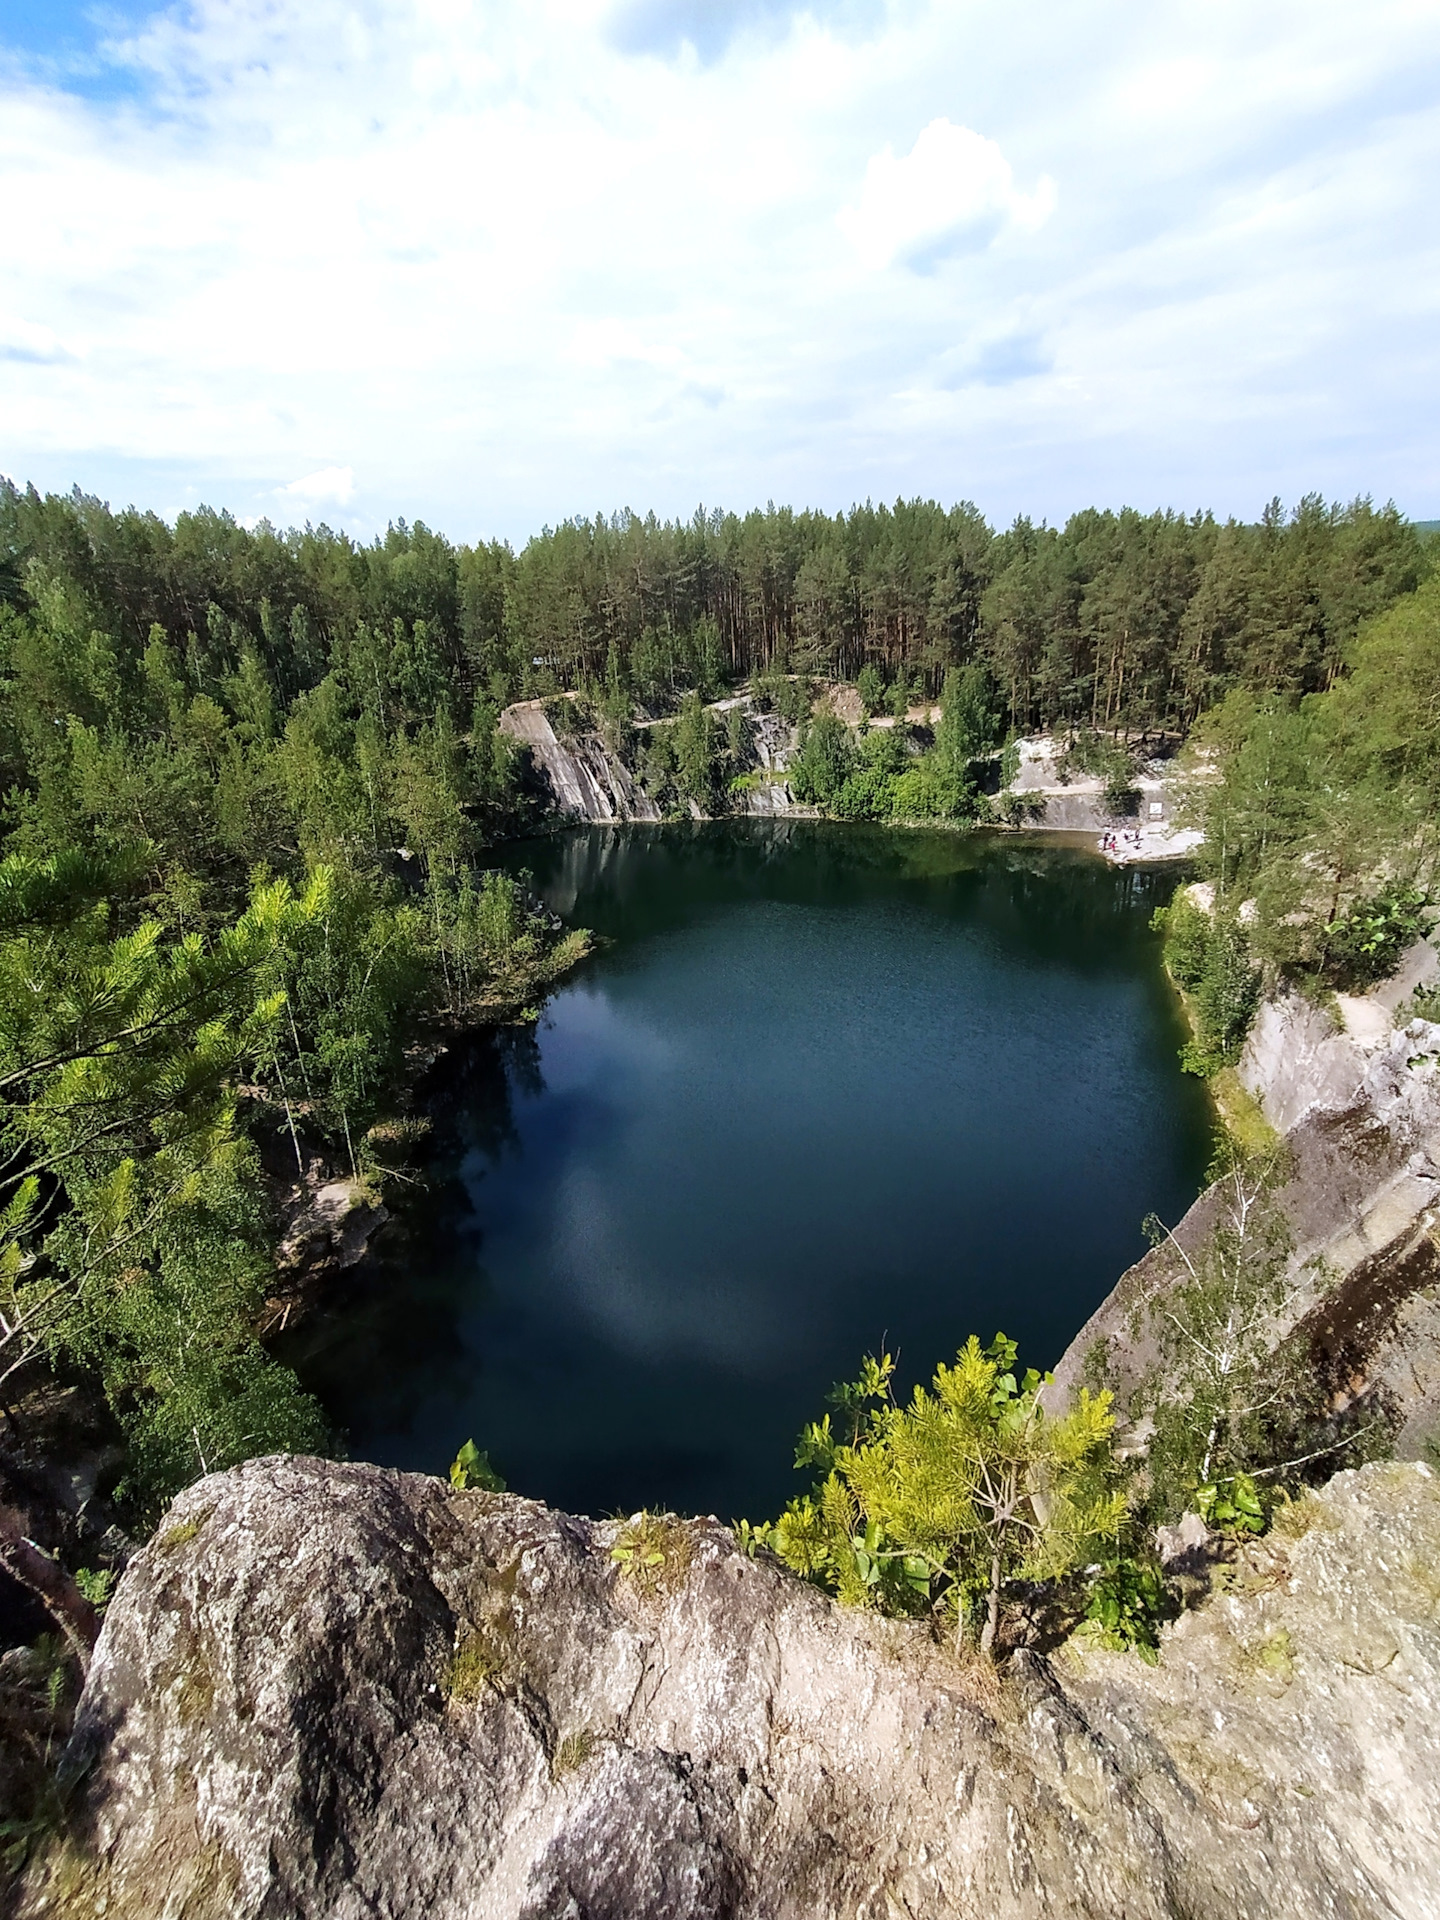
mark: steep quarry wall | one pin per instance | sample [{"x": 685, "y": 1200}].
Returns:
[
  {"x": 1357, "y": 1101},
  {"x": 589, "y": 782},
  {"x": 328, "y": 1690}
]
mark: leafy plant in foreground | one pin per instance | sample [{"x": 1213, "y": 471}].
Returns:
[
  {"x": 471, "y": 1468},
  {"x": 935, "y": 1505},
  {"x": 1126, "y": 1604}
]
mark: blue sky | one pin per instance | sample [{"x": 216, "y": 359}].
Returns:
[{"x": 491, "y": 264}]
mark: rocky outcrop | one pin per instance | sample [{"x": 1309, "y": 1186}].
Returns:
[
  {"x": 329, "y": 1690},
  {"x": 586, "y": 782},
  {"x": 1357, "y": 1101},
  {"x": 326, "y": 1226},
  {"x": 589, "y": 782}
]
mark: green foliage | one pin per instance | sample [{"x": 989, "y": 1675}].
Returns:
[
  {"x": 1423, "y": 1004},
  {"x": 241, "y": 876},
  {"x": 96, "y": 1586},
  {"x": 1186, "y": 928},
  {"x": 1209, "y": 955},
  {"x": 825, "y": 761},
  {"x": 1225, "y": 998},
  {"x": 1367, "y": 944},
  {"x": 1088, "y": 752},
  {"x": 471, "y": 1468},
  {"x": 130, "y": 1240},
  {"x": 1322, "y": 809},
  {"x": 1125, "y": 1606},
  {"x": 935, "y": 1505},
  {"x": 871, "y": 688},
  {"x": 869, "y": 791},
  {"x": 1232, "y": 1506},
  {"x": 654, "y": 1550},
  {"x": 972, "y": 716},
  {"x": 695, "y": 749},
  {"x": 1227, "y": 1402}
]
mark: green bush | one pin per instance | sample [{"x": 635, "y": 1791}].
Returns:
[
  {"x": 1210, "y": 958},
  {"x": 1126, "y": 1605},
  {"x": 1186, "y": 928},
  {"x": 1368, "y": 943},
  {"x": 1227, "y": 995},
  {"x": 931, "y": 1507},
  {"x": 826, "y": 759}
]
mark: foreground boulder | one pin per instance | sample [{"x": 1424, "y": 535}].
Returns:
[{"x": 332, "y": 1690}]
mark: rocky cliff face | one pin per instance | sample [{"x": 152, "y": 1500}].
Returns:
[
  {"x": 331, "y": 1690},
  {"x": 1357, "y": 1102},
  {"x": 585, "y": 782},
  {"x": 589, "y": 782}
]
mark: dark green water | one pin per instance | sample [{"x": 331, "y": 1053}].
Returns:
[{"x": 823, "y": 1088}]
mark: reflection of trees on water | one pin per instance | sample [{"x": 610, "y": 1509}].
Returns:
[
  {"x": 399, "y": 1318},
  {"x": 469, "y": 1096},
  {"x": 635, "y": 881}
]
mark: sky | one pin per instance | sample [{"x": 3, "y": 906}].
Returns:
[{"x": 494, "y": 263}]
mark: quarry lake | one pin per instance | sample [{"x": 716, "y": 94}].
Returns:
[{"x": 821, "y": 1090}]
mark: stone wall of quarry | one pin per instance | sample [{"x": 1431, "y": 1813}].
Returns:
[
  {"x": 588, "y": 782},
  {"x": 1356, "y": 1099},
  {"x": 327, "y": 1690}
]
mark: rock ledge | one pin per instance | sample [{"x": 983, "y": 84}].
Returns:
[{"x": 331, "y": 1690}]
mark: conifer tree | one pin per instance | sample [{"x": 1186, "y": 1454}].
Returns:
[{"x": 942, "y": 1501}]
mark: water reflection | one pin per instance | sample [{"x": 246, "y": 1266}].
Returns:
[{"x": 821, "y": 1086}]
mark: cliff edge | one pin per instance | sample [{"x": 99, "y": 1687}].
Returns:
[
  {"x": 1356, "y": 1100},
  {"x": 332, "y": 1690}
]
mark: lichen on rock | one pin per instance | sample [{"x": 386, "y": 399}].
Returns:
[{"x": 732, "y": 1743}]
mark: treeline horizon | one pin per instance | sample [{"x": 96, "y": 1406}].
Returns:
[{"x": 1118, "y": 619}]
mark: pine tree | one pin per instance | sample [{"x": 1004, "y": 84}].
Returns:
[{"x": 942, "y": 1501}]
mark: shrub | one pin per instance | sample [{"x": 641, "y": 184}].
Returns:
[
  {"x": 1126, "y": 1604},
  {"x": 1210, "y": 958},
  {"x": 825, "y": 761},
  {"x": 1366, "y": 945},
  {"x": 1227, "y": 995},
  {"x": 937, "y": 1504},
  {"x": 1186, "y": 928}
]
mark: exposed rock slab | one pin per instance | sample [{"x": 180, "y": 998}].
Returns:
[
  {"x": 1361, "y": 1121},
  {"x": 268, "y": 1731},
  {"x": 587, "y": 783}
]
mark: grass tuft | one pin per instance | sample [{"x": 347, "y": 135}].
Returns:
[
  {"x": 183, "y": 1532},
  {"x": 654, "y": 1551},
  {"x": 472, "y": 1666},
  {"x": 573, "y": 1751}
]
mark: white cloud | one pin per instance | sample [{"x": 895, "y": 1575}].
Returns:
[
  {"x": 330, "y": 486},
  {"x": 954, "y": 183},
  {"x": 506, "y": 271}
]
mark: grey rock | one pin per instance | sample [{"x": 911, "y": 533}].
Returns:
[
  {"x": 1361, "y": 1125},
  {"x": 1185, "y": 1547},
  {"x": 276, "y": 1723}
]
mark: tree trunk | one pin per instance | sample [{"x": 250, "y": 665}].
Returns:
[
  {"x": 51, "y": 1585},
  {"x": 992, "y": 1606}
]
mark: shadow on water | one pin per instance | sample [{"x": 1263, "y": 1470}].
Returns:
[{"x": 820, "y": 1087}]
